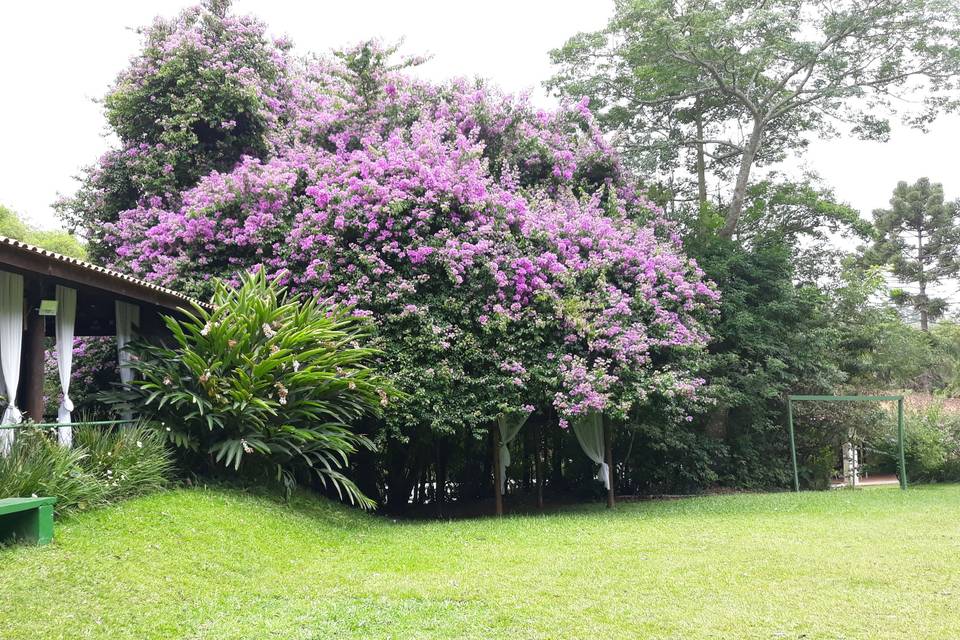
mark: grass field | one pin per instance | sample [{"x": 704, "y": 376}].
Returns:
[{"x": 196, "y": 563}]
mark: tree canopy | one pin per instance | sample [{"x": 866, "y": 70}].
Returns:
[
  {"x": 919, "y": 237},
  {"x": 743, "y": 82},
  {"x": 506, "y": 258},
  {"x": 60, "y": 242},
  {"x": 513, "y": 259}
]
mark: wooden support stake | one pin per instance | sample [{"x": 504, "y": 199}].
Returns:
[{"x": 497, "y": 496}]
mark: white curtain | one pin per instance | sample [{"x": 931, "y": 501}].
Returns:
[
  {"x": 128, "y": 317},
  {"x": 509, "y": 428},
  {"x": 11, "y": 338},
  {"x": 589, "y": 432},
  {"x": 66, "y": 318}
]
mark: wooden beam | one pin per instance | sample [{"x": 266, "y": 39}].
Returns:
[
  {"x": 32, "y": 355},
  {"x": 74, "y": 273}
]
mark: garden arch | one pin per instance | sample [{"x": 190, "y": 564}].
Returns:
[{"x": 802, "y": 398}]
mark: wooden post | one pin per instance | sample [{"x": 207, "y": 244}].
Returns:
[
  {"x": 900, "y": 438},
  {"x": 497, "y": 496},
  {"x": 793, "y": 445},
  {"x": 33, "y": 358},
  {"x": 608, "y": 443},
  {"x": 538, "y": 462}
]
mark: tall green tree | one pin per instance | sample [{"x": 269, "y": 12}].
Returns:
[
  {"x": 724, "y": 85},
  {"x": 203, "y": 93},
  {"x": 57, "y": 241},
  {"x": 918, "y": 237}
]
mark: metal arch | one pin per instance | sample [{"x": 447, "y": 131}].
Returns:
[{"x": 817, "y": 398}]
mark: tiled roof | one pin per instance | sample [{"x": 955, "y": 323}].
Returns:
[{"x": 79, "y": 267}]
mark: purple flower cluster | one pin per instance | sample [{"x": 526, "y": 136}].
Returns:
[
  {"x": 94, "y": 368},
  {"x": 371, "y": 193}
]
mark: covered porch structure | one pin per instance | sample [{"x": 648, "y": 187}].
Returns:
[{"x": 44, "y": 294}]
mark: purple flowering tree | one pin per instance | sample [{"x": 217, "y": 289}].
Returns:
[
  {"x": 207, "y": 89},
  {"x": 95, "y": 368},
  {"x": 505, "y": 257}
]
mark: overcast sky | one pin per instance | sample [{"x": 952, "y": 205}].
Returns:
[{"x": 57, "y": 57}]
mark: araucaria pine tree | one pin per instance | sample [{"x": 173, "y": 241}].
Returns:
[{"x": 918, "y": 236}]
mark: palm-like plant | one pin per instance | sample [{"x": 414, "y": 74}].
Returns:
[{"x": 263, "y": 384}]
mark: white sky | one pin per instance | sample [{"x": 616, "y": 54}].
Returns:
[{"x": 57, "y": 57}]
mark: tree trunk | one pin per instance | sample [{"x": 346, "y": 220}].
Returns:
[
  {"x": 924, "y": 308},
  {"x": 743, "y": 179},
  {"x": 924, "y": 305},
  {"x": 497, "y": 496},
  {"x": 366, "y": 466},
  {"x": 701, "y": 163},
  {"x": 402, "y": 470},
  {"x": 538, "y": 462},
  {"x": 608, "y": 455},
  {"x": 556, "y": 464},
  {"x": 441, "y": 476}
]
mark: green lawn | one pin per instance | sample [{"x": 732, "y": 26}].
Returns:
[{"x": 876, "y": 563}]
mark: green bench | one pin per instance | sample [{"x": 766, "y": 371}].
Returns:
[{"x": 26, "y": 520}]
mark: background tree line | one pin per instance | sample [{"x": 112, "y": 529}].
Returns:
[
  {"x": 705, "y": 98},
  {"x": 699, "y": 98}
]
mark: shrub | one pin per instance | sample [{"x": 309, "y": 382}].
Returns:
[
  {"x": 818, "y": 469},
  {"x": 104, "y": 466},
  {"x": 931, "y": 444},
  {"x": 37, "y": 465},
  {"x": 823, "y": 427},
  {"x": 94, "y": 369},
  {"x": 131, "y": 460},
  {"x": 263, "y": 385}
]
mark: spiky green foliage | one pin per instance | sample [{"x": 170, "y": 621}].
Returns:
[
  {"x": 37, "y": 465},
  {"x": 264, "y": 385},
  {"x": 105, "y": 465},
  {"x": 131, "y": 459}
]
